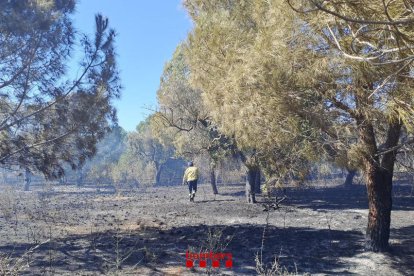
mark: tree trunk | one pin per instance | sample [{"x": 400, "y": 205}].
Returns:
[
  {"x": 27, "y": 179},
  {"x": 251, "y": 176},
  {"x": 62, "y": 180},
  {"x": 379, "y": 184},
  {"x": 379, "y": 187},
  {"x": 251, "y": 184},
  {"x": 258, "y": 182},
  {"x": 213, "y": 180},
  {"x": 350, "y": 177},
  {"x": 79, "y": 180},
  {"x": 158, "y": 170}
]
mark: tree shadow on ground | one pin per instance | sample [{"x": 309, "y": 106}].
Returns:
[
  {"x": 213, "y": 200},
  {"x": 308, "y": 250},
  {"x": 235, "y": 194},
  {"x": 85, "y": 190},
  {"x": 157, "y": 249},
  {"x": 403, "y": 251},
  {"x": 342, "y": 197}
]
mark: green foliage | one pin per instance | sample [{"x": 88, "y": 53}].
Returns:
[
  {"x": 278, "y": 81},
  {"x": 183, "y": 116},
  {"x": 144, "y": 158},
  {"x": 128, "y": 169},
  {"x": 297, "y": 81},
  {"x": 109, "y": 151},
  {"x": 47, "y": 119},
  {"x": 241, "y": 81}
]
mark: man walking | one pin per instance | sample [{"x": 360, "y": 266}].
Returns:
[{"x": 191, "y": 177}]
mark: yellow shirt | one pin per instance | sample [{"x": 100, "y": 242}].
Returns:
[{"x": 191, "y": 173}]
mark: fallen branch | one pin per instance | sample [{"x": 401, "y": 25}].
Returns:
[{"x": 273, "y": 205}]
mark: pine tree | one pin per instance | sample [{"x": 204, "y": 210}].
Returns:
[{"x": 46, "y": 118}]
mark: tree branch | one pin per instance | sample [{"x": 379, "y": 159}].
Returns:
[
  {"x": 361, "y": 21},
  {"x": 37, "y": 144},
  {"x": 395, "y": 148}
]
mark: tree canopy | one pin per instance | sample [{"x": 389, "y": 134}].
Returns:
[
  {"x": 46, "y": 118},
  {"x": 302, "y": 81},
  {"x": 238, "y": 83},
  {"x": 145, "y": 156}
]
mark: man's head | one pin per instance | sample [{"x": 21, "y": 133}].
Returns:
[{"x": 190, "y": 164}]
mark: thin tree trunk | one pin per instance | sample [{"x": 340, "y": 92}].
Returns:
[
  {"x": 250, "y": 177},
  {"x": 258, "y": 182},
  {"x": 158, "y": 170},
  {"x": 213, "y": 180},
  {"x": 250, "y": 184},
  {"x": 350, "y": 177},
  {"x": 27, "y": 179},
  {"x": 79, "y": 181},
  {"x": 62, "y": 180}
]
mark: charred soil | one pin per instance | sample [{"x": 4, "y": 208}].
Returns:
[{"x": 66, "y": 230}]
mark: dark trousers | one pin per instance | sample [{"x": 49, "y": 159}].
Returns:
[{"x": 192, "y": 185}]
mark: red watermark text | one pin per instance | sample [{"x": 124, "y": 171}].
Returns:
[{"x": 203, "y": 257}]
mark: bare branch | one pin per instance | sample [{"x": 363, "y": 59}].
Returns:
[
  {"x": 394, "y": 149},
  {"x": 361, "y": 21},
  {"x": 171, "y": 122}
]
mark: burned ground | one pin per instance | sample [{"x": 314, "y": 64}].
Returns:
[{"x": 93, "y": 230}]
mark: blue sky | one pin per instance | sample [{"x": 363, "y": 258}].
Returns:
[{"x": 148, "y": 33}]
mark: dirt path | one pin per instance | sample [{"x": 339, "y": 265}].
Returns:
[{"x": 147, "y": 232}]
